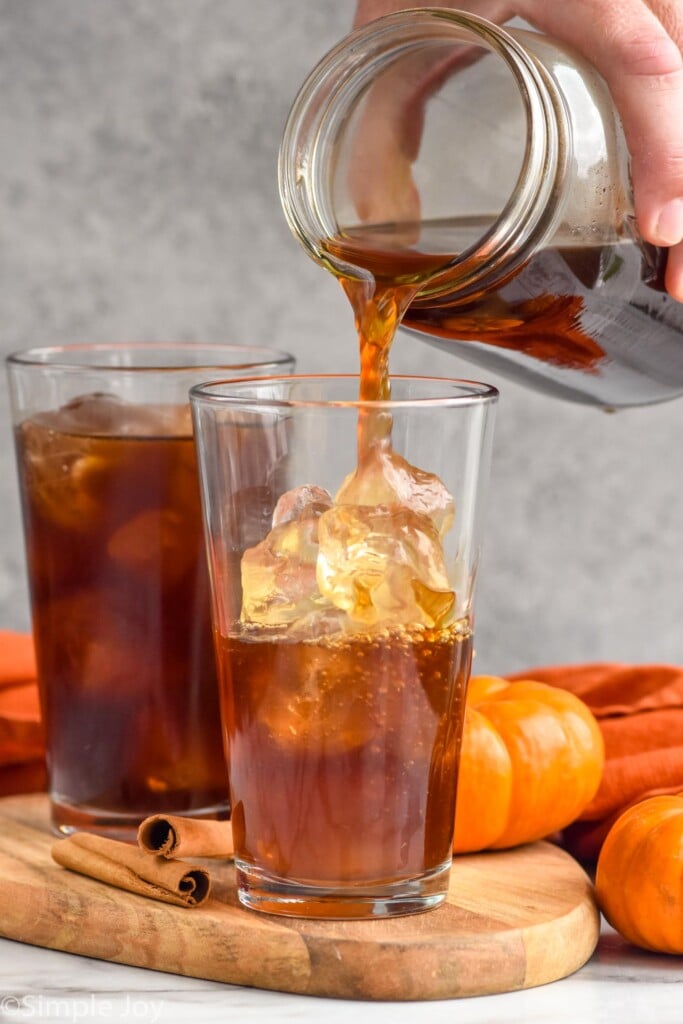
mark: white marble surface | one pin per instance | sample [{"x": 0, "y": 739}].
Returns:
[{"x": 618, "y": 984}]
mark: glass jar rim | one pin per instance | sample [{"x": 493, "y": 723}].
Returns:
[
  {"x": 525, "y": 215},
  {"x": 240, "y": 393},
  {"x": 93, "y": 357}
]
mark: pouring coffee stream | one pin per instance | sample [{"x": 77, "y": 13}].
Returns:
[{"x": 522, "y": 254}]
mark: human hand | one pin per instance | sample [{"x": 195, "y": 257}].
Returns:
[{"x": 637, "y": 46}]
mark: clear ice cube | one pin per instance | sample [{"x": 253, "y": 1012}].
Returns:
[
  {"x": 72, "y": 471},
  {"x": 386, "y": 478},
  {"x": 154, "y": 537},
  {"x": 103, "y": 415},
  {"x": 373, "y": 558},
  {"x": 64, "y": 475},
  {"x": 103, "y": 645},
  {"x": 279, "y": 584},
  {"x": 383, "y": 566},
  {"x": 301, "y": 503},
  {"x": 320, "y": 705},
  {"x": 96, "y": 413}
]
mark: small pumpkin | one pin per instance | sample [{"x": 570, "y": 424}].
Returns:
[
  {"x": 639, "y": 878},
  {"x": 532, "y": 759}
]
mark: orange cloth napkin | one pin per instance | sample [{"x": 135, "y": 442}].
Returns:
[
  {"x": 640, "y": 711},
  {"x": 22, "y": 765}
]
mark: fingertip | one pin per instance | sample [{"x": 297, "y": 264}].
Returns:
[
  {"x": 674, "y": 272},
  {"x": 660, "y": 220},
  {"x": 668, "y": 227}
]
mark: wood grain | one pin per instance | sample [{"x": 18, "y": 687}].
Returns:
[{"x": 513, "y": 920}]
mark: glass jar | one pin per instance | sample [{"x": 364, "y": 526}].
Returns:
[{"x": 486, "y": 167}]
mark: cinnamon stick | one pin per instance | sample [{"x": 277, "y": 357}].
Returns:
[
  {"x": 127, "y": 867},
  {"x": 171, "y": 835}
]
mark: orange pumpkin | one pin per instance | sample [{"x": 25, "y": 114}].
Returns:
[
  {"x": 532, "y": 759},
  {"x": 639, "y": 879}
]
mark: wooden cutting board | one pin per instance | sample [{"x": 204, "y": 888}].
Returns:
[{"x": 513, "y": 920}]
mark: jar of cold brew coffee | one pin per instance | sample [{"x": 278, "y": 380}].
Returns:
[{"x": 487, "y": 167}]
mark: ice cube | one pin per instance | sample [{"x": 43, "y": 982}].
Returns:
[
  {"x": 301, "y": 503},
  {"x": 104, "y": 415},
  {"x": 99, "y": 643},
  {"x": 279, "y": 584},
  {"x": 318, "y": 705},
  {"x": 65, "y": 476},
  {"x": 77, "y": 466},
  {"x": 176, "y": 419},
  {"x": 325, "y": 620},
  {"x": 156, "y": 539},
  {"x": 383, "y": 566},
  {"x": 385, "y": 478},
  {"x": 97, "y": 413}
]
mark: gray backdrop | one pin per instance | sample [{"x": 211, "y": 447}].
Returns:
[{"x": 138, "y": 200}]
